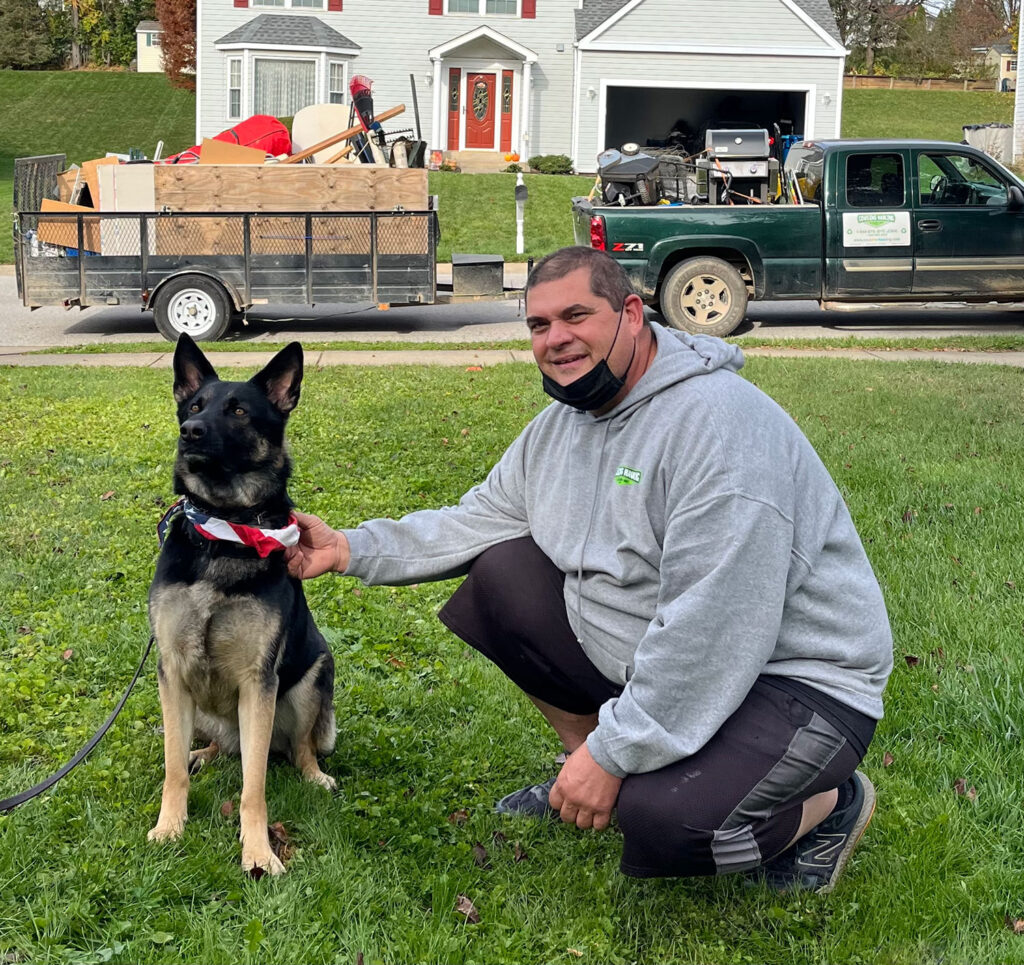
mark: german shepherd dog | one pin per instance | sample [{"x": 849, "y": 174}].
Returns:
[{"x": 241, "y": 660}]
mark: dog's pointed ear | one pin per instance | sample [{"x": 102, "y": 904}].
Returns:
[
  {"x": 191, "y": 368},
  {"x": 281, "y": 379}
]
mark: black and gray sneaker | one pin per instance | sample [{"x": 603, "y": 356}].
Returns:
[
  {"x": 817, "y": 860},
  {"x": 531, "y": 802}
]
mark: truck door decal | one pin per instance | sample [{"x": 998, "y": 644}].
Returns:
[
  {"x": 627, "y": 246},
  {"x": 876, "y": 229}
]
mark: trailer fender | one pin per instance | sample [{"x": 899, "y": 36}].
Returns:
[
  {"x": 236, "y": 299},
  {"x": 741, "y": 252}
]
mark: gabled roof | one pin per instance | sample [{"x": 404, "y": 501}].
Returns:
[
  {"x": 596, "y": 12},
  {"x": 148, "y": 26},
  {"x": 282, "y": 29}
]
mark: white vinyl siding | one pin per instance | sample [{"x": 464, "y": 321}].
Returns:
[
  {"x": 759, "y": 23},
  {"x": 283, "y": 87}
]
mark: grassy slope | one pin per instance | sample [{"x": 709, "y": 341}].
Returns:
[
  {"x": 931, "y": 465},
  {"x": 935, "y": 114}
]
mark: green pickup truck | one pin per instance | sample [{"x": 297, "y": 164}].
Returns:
[{"x": 873, "y": 223}]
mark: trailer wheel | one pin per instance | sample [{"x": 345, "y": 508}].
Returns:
[
  {"x": 194, "y": 304},
  {"x": 704, "y": 296}
]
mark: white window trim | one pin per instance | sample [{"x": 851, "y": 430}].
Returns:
[
  {"x": 287, "y": 5},
  {"x": 331, "y": 61},
  {"x": 481, "y": 11},
  {"x": 241, "y": 87}
]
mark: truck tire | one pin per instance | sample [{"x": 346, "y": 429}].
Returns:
[
  {"x": 194, "y": 304},
  {"x": 704, "y": 296}
]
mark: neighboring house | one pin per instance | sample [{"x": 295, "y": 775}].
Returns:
[
  {"x": 1002, "y": 58},
  {"x": 148, "y": 57},
  {"x": 532, "y": 76}
]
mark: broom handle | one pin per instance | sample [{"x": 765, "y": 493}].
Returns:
[{"x": 343, "y": 136}]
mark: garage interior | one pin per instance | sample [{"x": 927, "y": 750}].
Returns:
[{"x": 677, "y": 117}]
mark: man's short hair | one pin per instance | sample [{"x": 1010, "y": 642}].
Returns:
[{"x": 608, "y": 280}]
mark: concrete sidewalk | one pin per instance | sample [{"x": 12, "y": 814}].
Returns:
[{"x": 19, "y": 355}]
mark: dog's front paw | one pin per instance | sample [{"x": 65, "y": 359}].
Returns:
[
  {"x": 256, "y": 864},
  {"x": 324, "y": 780},
  {"x": 167, "y": 830}
]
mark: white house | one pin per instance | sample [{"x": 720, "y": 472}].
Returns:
[
  {"x": 148, "y": 56},
  {"x": 532, "y": 76}
]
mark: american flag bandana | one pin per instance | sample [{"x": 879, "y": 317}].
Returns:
[{"x": 264, "y": 541}]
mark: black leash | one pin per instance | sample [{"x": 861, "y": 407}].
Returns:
[{"x": 12, "y": 802}]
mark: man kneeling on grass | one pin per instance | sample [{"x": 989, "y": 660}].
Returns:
[{"x": 665, "y": 567}]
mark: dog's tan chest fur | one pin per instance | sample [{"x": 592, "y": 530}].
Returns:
[{"x": 212, "y": 642}]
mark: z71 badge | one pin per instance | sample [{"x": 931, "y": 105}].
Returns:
[{"x": 627, "y": 246}]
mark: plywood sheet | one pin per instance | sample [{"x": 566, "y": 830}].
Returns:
[
  {"x": 224, "y": 152},
  {"x": 65, "y": 231},
  {"x": 300, "y": 187},
  {"x": 92, "y": 179}
]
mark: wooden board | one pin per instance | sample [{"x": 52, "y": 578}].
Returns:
[
  {"x": 65, "y": 231},
  {"x": 92, "y": 179},
  {"x": 301, "y": 187},
  {"x": 224, "y": 152}
]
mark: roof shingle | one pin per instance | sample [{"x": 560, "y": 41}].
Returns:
[{"x": 283, "y": 28}]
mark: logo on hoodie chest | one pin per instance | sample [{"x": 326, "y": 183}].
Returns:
[{"x": 624, "y": 476}]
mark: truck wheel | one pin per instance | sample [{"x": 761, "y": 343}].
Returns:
[
  {"x": 704, "y": 296},
  {"x": 193, "y": 304}
]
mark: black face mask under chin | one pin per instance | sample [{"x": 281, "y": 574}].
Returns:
[{"x": 597, "y": 387}]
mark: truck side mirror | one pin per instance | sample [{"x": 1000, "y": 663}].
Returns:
[{"x": 1016, "y": 202}]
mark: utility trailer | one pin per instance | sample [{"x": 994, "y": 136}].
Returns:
[{"x": 197, "y": 271}]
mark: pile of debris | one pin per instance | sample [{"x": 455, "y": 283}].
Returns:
[
  {"x": 335, "y": 158},
  {"x": 734, "y": 167}
]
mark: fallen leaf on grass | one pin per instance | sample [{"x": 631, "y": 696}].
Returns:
[
  {"x": 977, "y": 510},
  {"x": 279, "y": 842},
  {"x": 474, "y": 368},
  {"x": 1016, "y": 925},
  {"x": 459, "y": 817},
  {"x": 465, "y": 907},
  {"x": 887, "y": 759},
  {"x": 912, "y": 661},
  {"x": 908, "y": 516},
  {"x": 227, "y": 808},
  {"x": 67, "y": 654},
  {"x": 480, "y": 858},
  {"x": 107, "y": 495},
  {"x": 961, "y": 788},
  {"x": 518, "y": 854},
  {"x": 575, "y": 952}
]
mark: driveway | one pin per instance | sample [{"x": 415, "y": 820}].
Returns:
[{"x": 480, "y": 321}]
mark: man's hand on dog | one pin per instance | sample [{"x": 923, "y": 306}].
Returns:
[
  {"x": 320, "y": 549},
  {"x": 585, "y": 793}
]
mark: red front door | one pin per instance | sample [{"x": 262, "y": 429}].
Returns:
[{"x": 480, "y": 110}]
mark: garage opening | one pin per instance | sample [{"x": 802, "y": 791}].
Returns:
[{"x": 676, "y": 118}]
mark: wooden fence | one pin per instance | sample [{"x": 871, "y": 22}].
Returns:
[{"x": 851, "y": 81}]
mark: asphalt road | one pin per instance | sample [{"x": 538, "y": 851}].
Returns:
[{"x": 483, "y": 321}]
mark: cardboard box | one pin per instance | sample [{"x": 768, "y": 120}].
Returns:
[
  {"x": 64, "y": 232},
  {"x": 125, "y": 187},
  {"x": 224, "y": 152},
  {"x": 92, "y": 179}
]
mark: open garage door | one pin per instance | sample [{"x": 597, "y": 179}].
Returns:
[{"x": 676, "y": 117}]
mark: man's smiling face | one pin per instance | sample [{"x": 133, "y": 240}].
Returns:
[{"x": 572, "y": 329}]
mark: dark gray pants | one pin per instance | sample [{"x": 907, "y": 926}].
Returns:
[{"x": 733, "y": 804}]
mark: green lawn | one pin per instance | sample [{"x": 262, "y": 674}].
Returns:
[
  {"x": 927, "y": 456},
  {"x": 937, "y": 114}
]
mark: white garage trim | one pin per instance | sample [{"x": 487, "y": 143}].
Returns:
[
  {"x": 816, "y": 27},
  {"x": 714, "y": 49},
  {"x": 809, "y": 91},
  {"x": 838, "y": 132}
]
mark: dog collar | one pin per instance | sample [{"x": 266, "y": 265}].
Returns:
[{"x": 264, "y": 541}]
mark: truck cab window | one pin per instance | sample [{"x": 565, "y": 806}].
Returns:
[
  {"x": 805, "y": 163},
  {"x": 958, "y": 180},
  {"x": 874, "y": 180}
]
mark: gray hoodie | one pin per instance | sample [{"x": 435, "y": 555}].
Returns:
[{"x": 703, "y": 542}]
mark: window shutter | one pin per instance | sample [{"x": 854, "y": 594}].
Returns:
[
  {"x": 436, "y": 8},
  {"x": 529, "y": 9},
  {"x": 241, "y": 3},
  {"x": 334, "y": 5}
]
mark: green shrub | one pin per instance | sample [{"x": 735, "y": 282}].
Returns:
[{"x": 551, "y": 164}]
